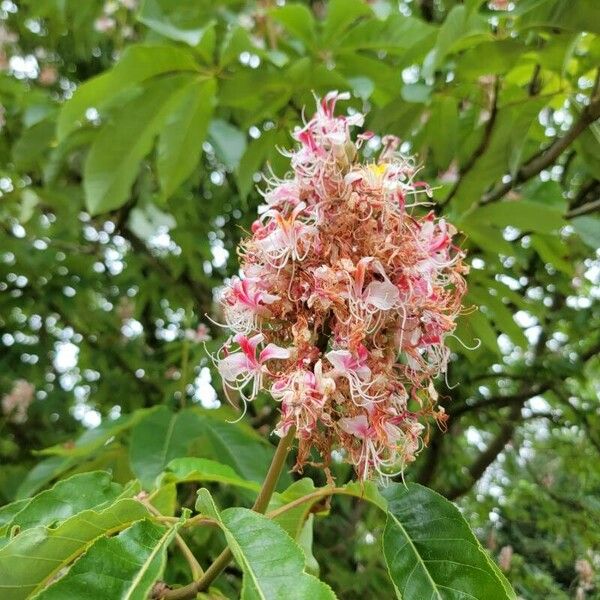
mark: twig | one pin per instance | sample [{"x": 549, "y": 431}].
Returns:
[
  {"x": 483, "y": 145},
  {"x": 195, "y": 568},
  {"x": 547, "y": 156},
  {"x": 584, "y": 209},
  {"x": 260, "y": 505}
]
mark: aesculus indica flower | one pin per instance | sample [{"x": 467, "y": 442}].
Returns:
[{"x": 348, "y": 291}]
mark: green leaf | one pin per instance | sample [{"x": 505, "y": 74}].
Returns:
[
  {"x": 159, "y": 438},
  {"x": 273, "y": 564},
  {"x": 125, "y": 566},
  {"x": 180, "y": 143},
  {"x": 29, "y": 150},
  {"x": 396, "y": 35},
  {"x": 203, "y": 469},
  {"x": 66, "y": 498},
  {"x": 237, "y": 446},
  {"x": 298, "y": 20},
  {"x": 573, "y": 15},
  {"x": 522, "y": 214},
  {"x": 340, "y": 15},
  {"x": 93, "y": 439},
  {"x": 588, "y": 229},
  {"x": 33, "y": 557},
  {"x": 186, "y": 21},
  {"x": 113, "y": 161},
  {"x": 253, "y": 159},
  {"x": 501, "y": 315},
  {"x": 458, "y": 24},
  {"x": 484, "y": 331},
  {"x": 553, "y": 250},
  {"x": 138, "y": 63},
  {"x": 431, "y": 552},
  {"x": 42, "y": 474},
  {"x": 500, "y": 157},
  {"x": 228, "y": 141}
]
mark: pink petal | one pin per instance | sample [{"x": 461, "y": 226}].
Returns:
[
  {"x": 341, "y": 360},
  {"x": 273, "y": 351},
  {"x": 383, "y": 295},
  {"x": 234, "y": 365},
  {"x": 358, "y": 426}
]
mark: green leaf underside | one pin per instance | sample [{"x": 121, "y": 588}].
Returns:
[
  {"x": 124, "y": 567},
  {"x": 35, "y": 555},
  {"x": 432, "y": 554}
]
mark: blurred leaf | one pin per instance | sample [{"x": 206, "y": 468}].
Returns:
[
  {"x": 113, "y": 161},
  {"x": 431, "y": 552},
  {"x": 125, "y": 566},
  {"x": 396, "y": 34},
  {"x": 575, "y": 15},
  {"x": 298, "y": 20},
  {"x": 30, "y": 148},
  {"x": 253, "y": 159},
  {"x": 484, "y": 331},
  {"x": 187, "y": 21},
  {"x": 459, "y": 23},
  {"x": 159, "y": 438},
  {"x": 340, "y": 15},
  {"x": 229, "y": 142},
  {"x": 138, "y": 63},
  {"x": 553, "y": 251},
  {"x": 522, "y": 214},
  {"x": 180, "y": 142},
  {"x": 588, "y": 229}
]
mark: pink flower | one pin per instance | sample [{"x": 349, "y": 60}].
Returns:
[
  {"x": 379, "y": 295},
  {"x": 242, "y": 368},
  {"x": 355, "y": 369},
  {"x": 286, "y": 237},
  {"x": 198, "y": 335},
  {"x": 302, "y": 395},
  {"x": 245, "y": 302},
  {"x": 339, "y": 267}
]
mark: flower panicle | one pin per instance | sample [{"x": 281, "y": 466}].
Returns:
[{"x": 345, "y": 300}]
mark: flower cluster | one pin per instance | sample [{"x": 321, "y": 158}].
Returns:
[
  {"x": 16, "y": 403},
  {"x": 345, "y": 300}
]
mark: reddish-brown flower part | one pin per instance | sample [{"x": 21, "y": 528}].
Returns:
[{"x": 345, "y": 300}]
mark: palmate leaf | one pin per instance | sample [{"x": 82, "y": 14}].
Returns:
[
  {"x": 113, "y": 161},
  {"x": 124, "y": 567},
  {"x": 138, "y": 63},
  {"x": 35, "y": 555},
  {"x": 273, "y": 564},
  {"x": 432, "y": 554}
]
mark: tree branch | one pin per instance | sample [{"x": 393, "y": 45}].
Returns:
[
  {"x": 260, "y": 506},
  {"x": 483, "y": 145},
  {"x": 584, "y": 209},
  {"x": 547, "y": 157},
  {"x": 489, "y": 455},
  {"x": 498, "y": 401}
]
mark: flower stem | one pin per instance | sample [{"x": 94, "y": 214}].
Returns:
[{"x": 260, "y": 505}]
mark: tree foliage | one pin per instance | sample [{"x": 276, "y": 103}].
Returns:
[{"x": 132, "y": 141}]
